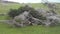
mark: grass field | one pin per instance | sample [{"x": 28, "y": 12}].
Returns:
[{"x": 7, "y": 29}]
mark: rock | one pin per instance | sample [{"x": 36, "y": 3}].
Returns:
[
  {"x": 35, "y": 21},
  {"x": 22, "y": 16},
  {"x": 31, "y": 16},
  {"x": 21, "y": 19},
  {"x": 52, "y": 20},
  {"x": 39, "y": 14}
]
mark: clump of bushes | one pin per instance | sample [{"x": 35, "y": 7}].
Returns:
[
  {"x": 29, "y": 15},
  {"x": 14, "y": 12}
]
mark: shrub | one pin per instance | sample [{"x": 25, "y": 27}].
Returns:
[{"x": 12, "y": 13}]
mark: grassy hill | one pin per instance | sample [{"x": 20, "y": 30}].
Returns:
[
  {"x": 5, "y": 7},
  {"x": 6, "y": 29}
]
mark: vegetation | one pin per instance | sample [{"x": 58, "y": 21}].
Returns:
[
  {"x": 5, "y": 29},
  {"x": 14, "y": 12}
]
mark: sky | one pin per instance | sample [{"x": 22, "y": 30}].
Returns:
[{"x": 33, "y": 1}]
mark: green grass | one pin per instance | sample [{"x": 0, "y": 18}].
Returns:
[
  {"x": 3, "y": 17},
  {"x": 7, "y": 29},
  {"x": 5, "y": 8}
]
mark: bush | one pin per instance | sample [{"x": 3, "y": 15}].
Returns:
[{"x": 14, "y": 12}]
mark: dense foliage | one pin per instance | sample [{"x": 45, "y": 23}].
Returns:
[{"x": 14, "y": 12}]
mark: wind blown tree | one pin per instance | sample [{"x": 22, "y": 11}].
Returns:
[{"x": 51, "y": 6}]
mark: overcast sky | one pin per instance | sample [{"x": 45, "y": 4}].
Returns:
[{"x": 33, "y": 1}]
